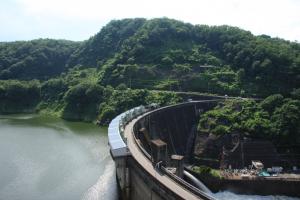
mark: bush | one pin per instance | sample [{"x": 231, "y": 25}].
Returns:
[
  {"x": 206, "y": 171},
  {"x": 82, "y": 101}
]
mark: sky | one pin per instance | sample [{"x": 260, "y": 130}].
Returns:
[{"x": 80, "y": 19}]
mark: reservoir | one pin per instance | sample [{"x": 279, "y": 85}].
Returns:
[{"x": 52, "y": 159}]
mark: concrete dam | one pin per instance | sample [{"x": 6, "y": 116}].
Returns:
[{"x": 150, "y": 147}]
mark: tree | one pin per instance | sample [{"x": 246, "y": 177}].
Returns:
[
  {"x": 82, "y": 102},
  {"x": 271, "y": 102},
  {"x": 286, "y": 120}
]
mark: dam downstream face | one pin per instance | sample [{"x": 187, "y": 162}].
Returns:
[{"x": 51, "y": 159}]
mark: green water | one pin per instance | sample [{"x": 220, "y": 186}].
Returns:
[{"x": 43, "y": 158}]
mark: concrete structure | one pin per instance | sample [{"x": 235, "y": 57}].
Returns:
[
  {"x": 177, "y": 161},
  {"x": 158, "y": 152},
  {"x": 145, "y": 142}
]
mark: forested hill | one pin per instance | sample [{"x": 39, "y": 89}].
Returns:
[
  {"x": 36, "y": 59},
  {"x": 165, "y": 54}
]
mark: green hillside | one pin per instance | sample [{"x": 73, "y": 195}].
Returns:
[
  {"x": 89, "y": 80},
  {"x": 165, "y": 54},
  {"x": 36, "y": 59},
  {"x": 171, "y": 55}
]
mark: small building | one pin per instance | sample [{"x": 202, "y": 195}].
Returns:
[{"x": 257, "y": 165}]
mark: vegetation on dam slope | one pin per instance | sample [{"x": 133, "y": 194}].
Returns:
[{"x": 275, "y": 118}]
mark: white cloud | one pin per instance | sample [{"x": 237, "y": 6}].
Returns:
[{"x": 77, "y": 19}]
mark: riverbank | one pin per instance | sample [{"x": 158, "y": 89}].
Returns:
[{"x": 75, "y": 100}]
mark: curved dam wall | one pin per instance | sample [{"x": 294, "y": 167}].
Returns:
[
  {"x": 134, "y": 182},
  {"x": 175, "y": 125}
]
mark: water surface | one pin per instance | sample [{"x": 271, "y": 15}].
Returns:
[{"x": 51, "y": 159}]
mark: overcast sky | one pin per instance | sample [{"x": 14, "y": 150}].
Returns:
[{"x": 80, "y": 19}]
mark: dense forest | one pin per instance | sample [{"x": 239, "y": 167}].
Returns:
[
  {"x": 138, "y": 61},
  {"x": 36, "y": 59}
]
